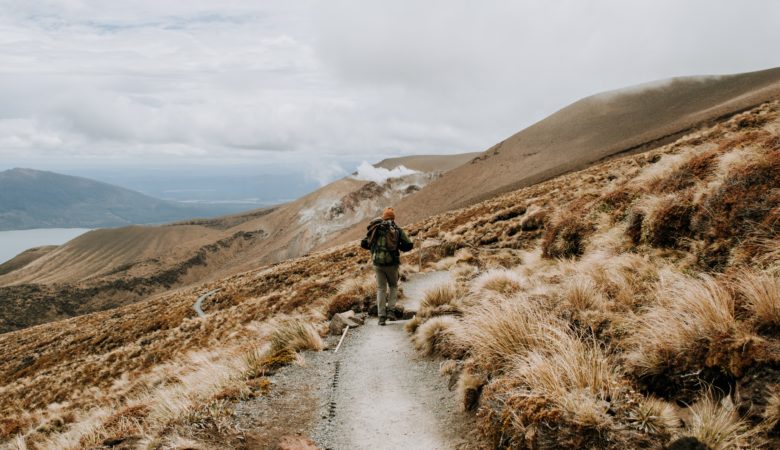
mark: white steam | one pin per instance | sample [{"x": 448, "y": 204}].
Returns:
[{"x": 379, "y": 175}]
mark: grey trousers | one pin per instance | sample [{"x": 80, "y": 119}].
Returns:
[{"x": 386, "y": 276}]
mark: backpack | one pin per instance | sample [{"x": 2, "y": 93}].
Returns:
[
  {"x": 392, "y": 235},
  {"x": 383, "y": 239}
]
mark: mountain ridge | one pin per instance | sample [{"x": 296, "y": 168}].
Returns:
[{"x": 31, "y": 198}]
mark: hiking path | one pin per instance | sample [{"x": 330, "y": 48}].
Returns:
[{"x": 384, "y": 395}]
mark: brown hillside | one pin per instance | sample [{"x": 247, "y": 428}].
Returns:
[
  {"x": 594, "y": 128},
  {"x": 25, "y": 258},
  {"x": 107, "y": 268}
]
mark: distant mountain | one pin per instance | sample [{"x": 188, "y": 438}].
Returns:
[{"x": 38, "y": 199}]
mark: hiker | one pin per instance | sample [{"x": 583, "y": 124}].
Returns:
[{"x": 386, "y": 240}]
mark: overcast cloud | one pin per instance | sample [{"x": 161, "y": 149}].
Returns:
[{"x": 323, "y": 84}]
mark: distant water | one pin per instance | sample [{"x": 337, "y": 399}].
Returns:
[{"x": 16, "y": 241}]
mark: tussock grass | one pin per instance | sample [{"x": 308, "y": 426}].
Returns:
[
  {"x": 412, "y": 325},
  {"x": 565, "y": 238},
  {"x": 582, "y": 293},
  {"x": 761, "y": 293},
  {"x": 718, "y": 426},
  {"x": 438, "y": 300},
  {"x": 18, "y": 443},
  {"x": 771, "y": 415},
  {"x": 295, "y": 335},
  {"x": 667, "y": 220},
  {"x": 502, "y": 281},
  {"x": 573, "y": 374},
  {"x": 691, "y": 312},
  {"x": 655, "y": 416},
  {"x": 437, "y": 336},
  {"x": 497, "y": 332},
  {"x": 359, "y": 287}
]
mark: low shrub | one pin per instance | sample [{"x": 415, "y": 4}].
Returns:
[
  {"x": 566, "y": 237},
  {"x": 436, "y": 337},
  {"x": 668, "y": 221},
  {"x": 502, "y": 281},
  {"x": 746, "y": 197},
  {"x": 718, "y": 427},
  {"x": 496, "y": 332},
  {"x": 761, "y": 295}
]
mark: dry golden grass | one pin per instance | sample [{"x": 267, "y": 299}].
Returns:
[
  {"x": 718, "y": 426},
  {"x": 439, "y": 300},
  {"x": 581, "y": 293},
  {"x": 502, "y": 281},
  {"x": 469, "y": 389},
  {"x": 574, "y": 375},
  {"x": 649, "y": 318},
  {"x": 691, "y": 312},
  {"x": 295, "y": 335},
  {"x": 498, "y": 332},
  {"x": 655, "y": 416},
  {"x": 771, "y": 414},
  {"x": 761, "y": 293},
  {"x": 438, "y": 336}
]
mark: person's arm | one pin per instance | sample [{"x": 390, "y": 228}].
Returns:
[{"x": 405, "y": 244}]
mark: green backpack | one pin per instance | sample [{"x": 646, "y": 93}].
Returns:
[{"x": 384, "y": 238}]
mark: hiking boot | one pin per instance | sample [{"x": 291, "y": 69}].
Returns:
[
  {"x": 394, "y": 314},
  {"x": 382, "y": 320}
]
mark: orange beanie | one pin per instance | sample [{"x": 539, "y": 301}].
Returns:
[{"x": 389, "y": 214}]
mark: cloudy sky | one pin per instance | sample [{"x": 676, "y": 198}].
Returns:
[{"x": 322, "y": 85}]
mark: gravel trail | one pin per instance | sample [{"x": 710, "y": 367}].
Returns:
[{"x": 384, "y": 396}]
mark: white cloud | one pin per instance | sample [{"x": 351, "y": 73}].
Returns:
[
  {"x": 328, "y": 82},
  {"x": 367, "y": 172}
]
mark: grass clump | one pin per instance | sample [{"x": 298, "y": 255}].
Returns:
[
  {"x": 470, "y": 389},
  {"x": 437, "y": 337},
  {"x": 692, "y": 317},
  {"x": 288, "y": 338},
  {"x": 573, "y": 375},
  {"x": 717, "y": 426},
  {"x": 742, "y": 201},
  {"x": 655, "y": 416},
  {"x": 295, "y": 335},
  {"x": 566, "y": 237},
  {"x": 667, "y": 221},
  {"x": 761, "y": 294},
  {"x": 502, "y": 281},
  {"x": 581, "y": 293},
  {"x": 497, "y": 332},
  {"x": 439, "y": 300}
]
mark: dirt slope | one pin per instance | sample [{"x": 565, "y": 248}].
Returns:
[{"x": 628, "y": 120}]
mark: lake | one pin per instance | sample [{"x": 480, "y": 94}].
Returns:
[{"x": 16, "y": 241}]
